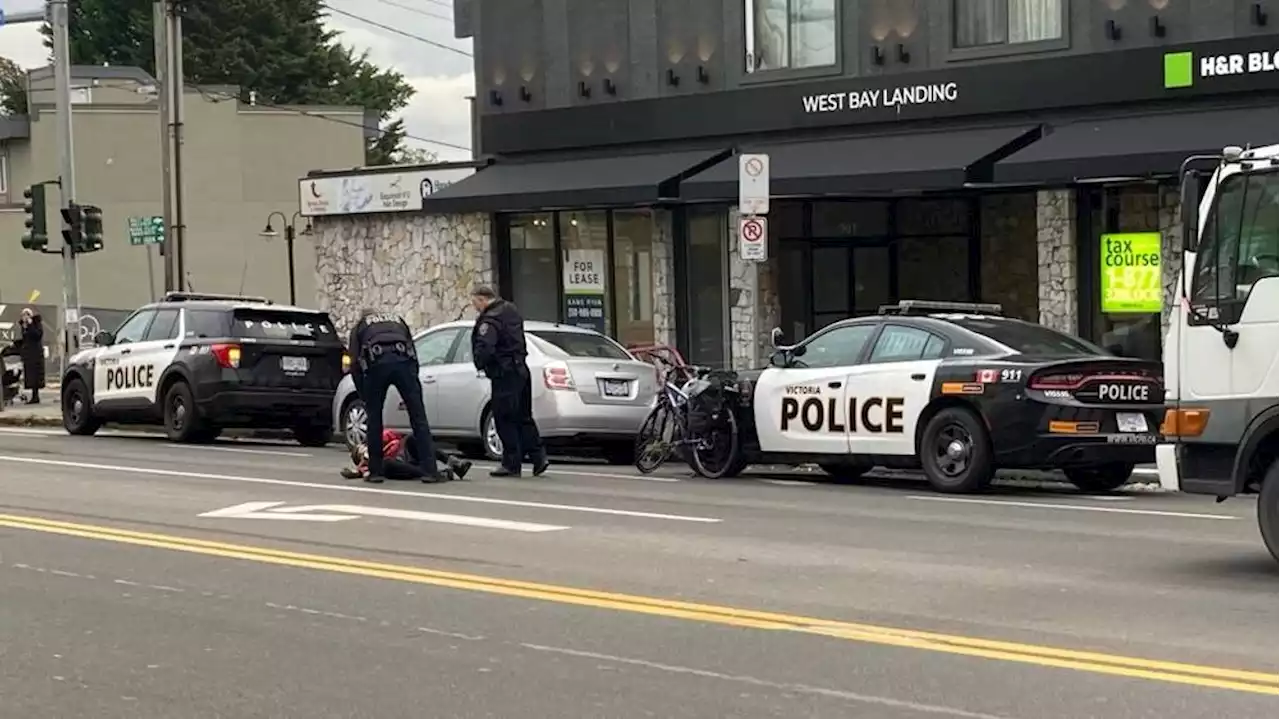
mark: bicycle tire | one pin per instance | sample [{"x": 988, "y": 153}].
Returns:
[
  {"x": 648, "y": 460},
  {"x": 731, "y": 459}
]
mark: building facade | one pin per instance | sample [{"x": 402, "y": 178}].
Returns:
[
  {"x": 241, "y": 163},
  {"x": 993, "y": 150}
]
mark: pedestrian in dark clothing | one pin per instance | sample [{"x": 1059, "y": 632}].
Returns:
[
  {"x": 30, "y": 346},
  {"x": 384, "y": 357},
  {"x": 498, "y": 349}
]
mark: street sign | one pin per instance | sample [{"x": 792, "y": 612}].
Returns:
[
  {"x": 753, "y": 235},
  {"x": 345, "y": 512},
  {"x": 753, "y": 184},
  {"x": 146, "y": 230}
]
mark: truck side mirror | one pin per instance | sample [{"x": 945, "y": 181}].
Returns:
[{"x": 1190, "y": 210}]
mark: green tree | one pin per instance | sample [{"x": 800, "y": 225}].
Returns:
[
  {"x": 13, "y": 88},
  {"x": 279, "y": 49},
  {"x": 415, "y": 156}
]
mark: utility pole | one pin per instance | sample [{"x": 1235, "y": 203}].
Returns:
[
  {"x": 164, "y": 97},
  {"x": 177, "y": 81},
  {"x": 59, "y": 21}
]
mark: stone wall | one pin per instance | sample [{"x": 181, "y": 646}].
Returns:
[
  {"x": 421, "y": 266},
  {"x": 1056, "y": 259},
  {"x": 1010, "y": 267},
  {"x": 1147, "y": 208},
  {"x": 664, "y": 281}
]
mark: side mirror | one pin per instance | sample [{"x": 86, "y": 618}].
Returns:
[
  {"x": 799, "y": 351},
  {"x": 778, "y": 359},
  {"x": 1190, "y": 210},
  {"x": 104, "y": 339},
  {"x": 775, "y": 337}
]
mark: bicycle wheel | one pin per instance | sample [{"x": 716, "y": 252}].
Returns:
[
  {"x": 716, "y": 453},
  {"x": 654, "y": 444}
]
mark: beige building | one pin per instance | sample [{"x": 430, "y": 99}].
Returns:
[{"x": 241, "y": 162}]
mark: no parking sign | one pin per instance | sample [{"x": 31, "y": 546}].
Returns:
[{"x": 752, "y": 232}]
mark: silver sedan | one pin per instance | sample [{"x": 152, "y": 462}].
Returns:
[{"x": 588, "y": 391}]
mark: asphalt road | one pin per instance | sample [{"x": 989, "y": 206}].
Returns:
[{"x": 592, "y": 592}]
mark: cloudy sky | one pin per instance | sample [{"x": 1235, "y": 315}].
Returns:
[{"x": 439, "y": 110}]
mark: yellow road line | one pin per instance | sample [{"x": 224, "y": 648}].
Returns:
[{"x": 1094, "y": 662}]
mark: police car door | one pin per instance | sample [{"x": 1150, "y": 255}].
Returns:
[
  {"x": 121, "y": 378},
  {"x": 887, "y": 393},
  {"x": 801, "y": 407}
]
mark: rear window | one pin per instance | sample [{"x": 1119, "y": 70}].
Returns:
[
  {"x": 281, "y": 325},
  {"x": 1026, "y": 338},
  {"x": 583, "y": 344}
]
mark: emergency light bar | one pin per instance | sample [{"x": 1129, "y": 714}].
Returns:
[
  {"x": 925, "y": 307},
  {"x": 205, "y": 297}
]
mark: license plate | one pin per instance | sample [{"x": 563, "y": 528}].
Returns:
[
  {"x": 616, "y": 388},
  {"x": 1131, "y": 422},
  {"x": 294, "y": 365}
]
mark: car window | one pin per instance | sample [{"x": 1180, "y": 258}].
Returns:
[
  {"x": 1026, "y": 338},
  {"x": 164, "y": 326},
  {"x": 833, "y": 348},
  {"x": 1238, "y": 246},
  {"x": 906, "y": 344},
  {"x": 207, "y": 324},
  {"x": 134, "y": 328},
  {"x": 265, "y": 324},
  {"x": 582, "y": 344},
  {"x": 433, "y": 347},
  {"x": 462, "y": 353}
]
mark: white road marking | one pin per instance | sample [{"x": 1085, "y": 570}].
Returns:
[
  {"x": 1108, "y": 497},
  {"x": 343, "y": 512},
  {"x": 1075, "y": 507},
  {"x": 789, "y": 482},
  {"x": 257, "y": 510},
  {"x": 239, "y": 450},
  {"x": 365, "y": 490}
]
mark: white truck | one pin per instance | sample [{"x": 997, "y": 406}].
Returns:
[{"x": 1220, "y": 356}]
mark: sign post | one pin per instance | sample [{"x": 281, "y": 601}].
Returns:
[
  {"x": 753, "y": 206},
  {"x": 1131, "y": 273}
]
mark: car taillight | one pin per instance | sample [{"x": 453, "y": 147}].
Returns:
[
  {"x": 228, "y": 356},
  {"x": 556, "y": 376},
  {"x": 1056, "y": 381}
]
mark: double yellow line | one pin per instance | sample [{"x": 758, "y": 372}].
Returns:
[{"x": 1094, "y": 662}]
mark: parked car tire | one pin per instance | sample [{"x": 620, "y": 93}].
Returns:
[
  {"x": 489, "y": 438},
  {"x": 955, "y": 452},
  {"x": 353, "y": 422}
]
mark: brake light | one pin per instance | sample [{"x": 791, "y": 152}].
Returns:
[
  {"x": 1057, "y": 381},
  {"x": 227, "y": 356},
  {"x": 1074, "y": 380},
  {"x": 556, "y": 376}
]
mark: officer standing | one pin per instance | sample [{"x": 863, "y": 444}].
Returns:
[
  {"x": 382, "y": 347},
  {"x": 498, "y": 349}
]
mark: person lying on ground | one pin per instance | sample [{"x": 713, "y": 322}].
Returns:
[{"x": 400, "y": 462}]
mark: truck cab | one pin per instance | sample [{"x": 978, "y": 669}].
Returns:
[{"x": 1221, "y": 353}]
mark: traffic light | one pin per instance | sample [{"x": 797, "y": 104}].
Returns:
[
  {"x": 91, "y": 238},
  {"x": 36, "y": 238},
  {"x": 73, "y": 227}
]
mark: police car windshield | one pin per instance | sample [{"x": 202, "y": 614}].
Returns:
[
  {"x": 583, "y": 344},
  {"x": 1029, "y": 339},
  {"x": 283, "y": 325}
]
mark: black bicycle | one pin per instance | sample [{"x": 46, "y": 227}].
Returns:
[{"x": 696, "y": 419}]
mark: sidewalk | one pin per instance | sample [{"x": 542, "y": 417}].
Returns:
[{"x": 46, "y": 414}]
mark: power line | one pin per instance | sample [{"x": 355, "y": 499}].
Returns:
[
  {"x": 418, "y": 11},
  {"x": 396, "y": 30}
]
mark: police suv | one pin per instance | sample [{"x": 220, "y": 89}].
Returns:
[
  {"x": 199, "y": 363},
  {"x": 957, "y": 390}
]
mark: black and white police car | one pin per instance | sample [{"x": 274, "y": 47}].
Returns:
[
  {"x": 957, "y": 390},
  {"x": 199, "y": 363}
]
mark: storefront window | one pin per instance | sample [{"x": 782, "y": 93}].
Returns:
[
  {"x": 1135, "y": 208},
  {"x": 533, "y": 266},
  {"x": 933, "y": 249},
  {"x": 707, "y": 255},
  {"x": 633, "y": 276},
  {"x": 585, "y": 243}
]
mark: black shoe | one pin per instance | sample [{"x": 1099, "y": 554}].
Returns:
[
  {"x": 351, "y": 473},
  {"x": 373, "y": 479},
  {"x": 540, "y": 467},
  {"x": 438, "y": 477},
  {"x": 460, "y": 467},
  {"x": 504, "y": 472}
]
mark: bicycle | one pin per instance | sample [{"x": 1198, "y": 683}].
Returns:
[{"x": 696, "y": 418}]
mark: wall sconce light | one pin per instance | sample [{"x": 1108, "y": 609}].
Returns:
[
  {"x": 584, "y": 89},
  {"x": 704, "y": 77},
  {"x": 610, "y": 86},
  {"x": 672, "y": 78},
  {"x": 1259, "y": 15},
  {"x": 495, "y": 98},
  {"x": 1113, "y": 30},
  {"x": 877, "y": 55},
  {"x": 1158, "y": 28},
  {"x": 904, "y": 55},
  {"x": 525, "y": 94}
]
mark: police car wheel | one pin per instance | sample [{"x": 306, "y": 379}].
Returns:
[
  {"x": 955, "y": 452},
  {"x": 77, "y": 410},
  {"x": 182, "y": 422},
  {"x": 1105, "y": 478},
  {"x": 844, "y": 471}
]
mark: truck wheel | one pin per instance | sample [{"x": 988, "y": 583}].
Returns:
[
  {"x": 1103, "y": 478},
  {"x": 1267, "y": 509},
  {"x": 955, "y": 452}
]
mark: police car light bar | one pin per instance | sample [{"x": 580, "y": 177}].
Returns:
[
  {"x": 205, "y": 297},
  {"x": 924, "y": 307}
]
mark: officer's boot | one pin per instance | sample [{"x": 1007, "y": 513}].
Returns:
[{"x": 459, "y": 467}]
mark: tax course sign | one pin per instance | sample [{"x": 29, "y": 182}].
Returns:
[{"x": 1131, "y": 279}]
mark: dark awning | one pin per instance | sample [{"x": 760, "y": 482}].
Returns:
[
  {"x": 1135, "y": 145},
  {"x": 583, "y": 182},
  {"x": 918, "y": 161}
]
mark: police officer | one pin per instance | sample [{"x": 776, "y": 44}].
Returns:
[
  {"x": 498, "y": 349},
  {"x": 382, "y": 347}
]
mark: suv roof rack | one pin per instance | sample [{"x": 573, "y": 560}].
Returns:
[
  {"x": 207, "y": 297},
  {"x": 926, "y": 307}
]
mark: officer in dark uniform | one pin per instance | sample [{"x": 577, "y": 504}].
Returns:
[
  {"x": 498, "y": 349},
  {"x": 382, "y": 348}
]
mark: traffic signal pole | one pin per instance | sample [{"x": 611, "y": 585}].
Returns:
[{"x": 59, "y": 21}]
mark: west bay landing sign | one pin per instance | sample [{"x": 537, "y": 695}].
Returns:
[
  {"x": 323, "y": 194},
  {"x": 1217, "y": 68}
]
